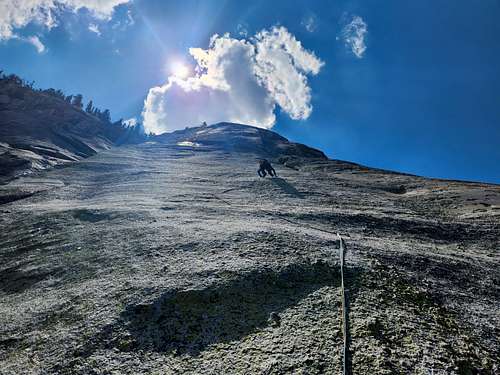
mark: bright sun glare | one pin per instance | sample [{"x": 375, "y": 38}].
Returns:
[{"x": 179, "y": 70}]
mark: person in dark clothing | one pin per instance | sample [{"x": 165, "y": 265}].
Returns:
[{"x": 265, "y": 166}]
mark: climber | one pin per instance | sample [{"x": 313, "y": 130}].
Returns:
[{"x": 265, "y": 166}]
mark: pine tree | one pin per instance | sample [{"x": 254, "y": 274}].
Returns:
[
  {"x": 90, "y": 107},
  {"x": 106, "y": 116},
  {"x": 59, "y": 94}
]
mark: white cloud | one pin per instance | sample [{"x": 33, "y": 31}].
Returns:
[
  {"x": 37, "y": 43},
  {"x": 238, "y": 81},
  {"x": 310, "y": 23},
  {"x": 131, "y": 122},
  {"x": 354, "y": 34},
  {"x": 33, "y": 40},
  {"x": 95, "y": 29},
  {"x": 15, "y": 14},
  {"x": 281, "y": 66},
  {"x": 130, "y": 20}
]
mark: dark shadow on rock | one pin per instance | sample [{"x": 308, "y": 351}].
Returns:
[
  {"x": 287, "y": 188},
  {"x": 456, "y": 273},
  {"x": 7, "y": 198},
  {"x": 92, "y": 216},
  {"x": 190, "y": 320},
  {"x": 394, "y": 189},
  {"x": 387, "y": 225},
  {"x": 17, "y": 280}
]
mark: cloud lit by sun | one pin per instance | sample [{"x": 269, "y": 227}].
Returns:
[
  {"x": 179, "y": 70},
  {"x": 237, "y": 80}
]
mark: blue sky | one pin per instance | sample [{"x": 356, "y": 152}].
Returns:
[{"x": 422, "y": 98}]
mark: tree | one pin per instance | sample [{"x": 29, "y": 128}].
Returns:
[
  {"x": 90, "y": 107},
  {"x": 50, "y": 91},
  {"x": 59, "y": 94},
  {"x": 14, "y": 79},
  {"x": 55, "y": 93},
  {"x": 106, "y": 116},
  {"x": 78, "y": 101}
]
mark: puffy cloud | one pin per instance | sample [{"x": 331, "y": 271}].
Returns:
[
  {"x": 239, "y": 81},
  {"x": 281, "y": 65},
  {"x": 15, "y": 14},
  {"x": 354, "y": 34}
]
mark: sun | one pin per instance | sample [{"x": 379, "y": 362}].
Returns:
[{"x": 179, "y": 69}]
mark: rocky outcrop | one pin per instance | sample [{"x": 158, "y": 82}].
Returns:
[
  {"x": 240, "y": 138},
  {"x": 38, "y": 130}
]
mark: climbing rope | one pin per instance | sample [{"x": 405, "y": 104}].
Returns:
[
  {"x": 342, "y": 249},
  {"x": 344, "y": 307}
]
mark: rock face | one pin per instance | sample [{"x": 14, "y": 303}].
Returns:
[
  {"x": 38, "y": 131},
  {"x": 237, "y": 138},
  {"x": 174, "y": 257}
]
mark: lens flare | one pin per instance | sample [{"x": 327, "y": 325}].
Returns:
[{"x": 179, "y": 70}]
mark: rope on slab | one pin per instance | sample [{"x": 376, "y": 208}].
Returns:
[
  {"x": 342, "y": 249},
  {"x": 344, "y": 308}
]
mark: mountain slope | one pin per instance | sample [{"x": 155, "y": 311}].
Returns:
[
  {"x": 174, "y": 257},
  {"x": 38, "y": 130}
]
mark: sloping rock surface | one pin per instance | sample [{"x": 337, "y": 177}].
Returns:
[
  {"x": 174, "y": 257},
  {"x": 38, "y": 131}
]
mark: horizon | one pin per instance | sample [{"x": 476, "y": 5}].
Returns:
[{"x": 403, "y": 87}]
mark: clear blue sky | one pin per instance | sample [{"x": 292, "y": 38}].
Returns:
[{"x": 423, "y": 98}]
